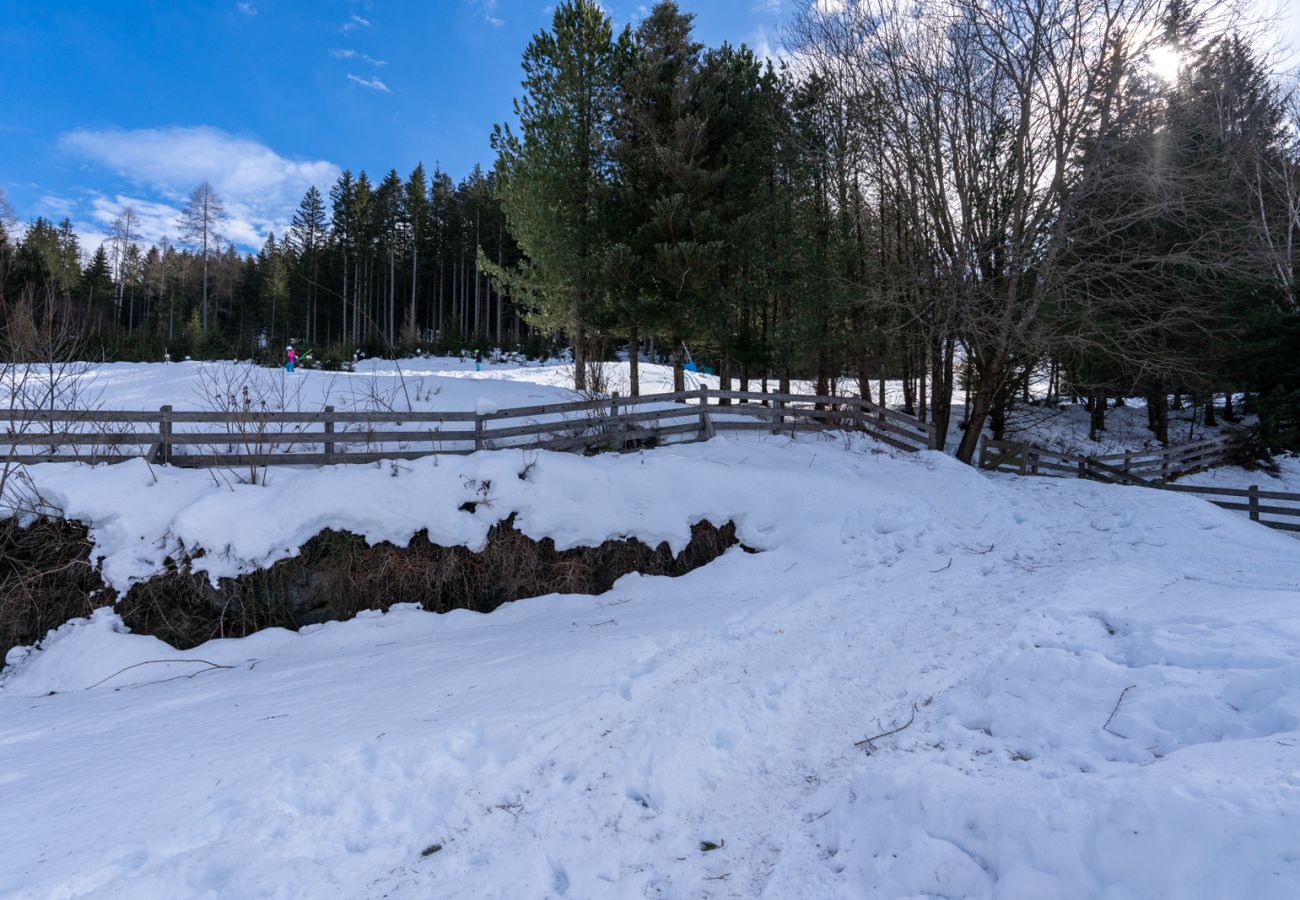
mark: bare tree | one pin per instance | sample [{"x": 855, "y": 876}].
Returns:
[
  {"x": 199, "y": 222},
  {"x": 983, "y": 115},
  {"x": 8, "y": 222},
  {"x": 42, "y": 372},
  {"x": 123, "y": 229}
]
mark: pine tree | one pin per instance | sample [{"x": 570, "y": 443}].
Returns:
[
  {"x": 344, "y": 234},
  {"x": 415, "y": 207},
  {"x": 307, "y": 236},
  {"x": 97, "y": 281},
  {"x": 555, "y": 175},
  {"x": 658, "y": 270}
]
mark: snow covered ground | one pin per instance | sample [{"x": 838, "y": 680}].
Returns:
[
  {"x": 1094, "y": 689},
  {"x": 1104, "y": 683},
  {"x": 442, "y": 383},
  {"x": 1286, "y": 478}
]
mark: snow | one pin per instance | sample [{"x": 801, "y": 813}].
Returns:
[
  {"x": 1065, "y": 427},
  {"x": 1104, "y": 679},
  {"x": 435, "y": 383},
  {"x": 1286, "y": 478}
]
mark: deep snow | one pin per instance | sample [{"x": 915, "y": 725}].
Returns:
[{"x": 585, "y": 746}]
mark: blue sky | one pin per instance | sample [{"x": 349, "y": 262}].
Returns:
[{"x": 104, "y": 104}]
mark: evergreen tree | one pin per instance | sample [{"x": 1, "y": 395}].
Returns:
[
  {"x": 97, "y": 281},
  {"x": 555, "y": 175},
  {"x": 307, "y": 236}
]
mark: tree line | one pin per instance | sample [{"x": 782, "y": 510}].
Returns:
[
  {"x": 383, "y": 267},
  {"x": 1025, "y": 199},
  {"x": 1022, "y": 197}
]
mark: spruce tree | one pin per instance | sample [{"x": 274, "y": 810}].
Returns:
[{"x": 555, "y": 174}]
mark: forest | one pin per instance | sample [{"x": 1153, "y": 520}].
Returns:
[{"x": 1025, "y": 200}]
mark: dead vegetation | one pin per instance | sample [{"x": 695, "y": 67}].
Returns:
[{"x": 335, "y": 576}]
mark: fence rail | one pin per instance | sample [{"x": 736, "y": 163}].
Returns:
[
  {"x": 239, "y": 438},
  {"x": 1138, "y": 469}
]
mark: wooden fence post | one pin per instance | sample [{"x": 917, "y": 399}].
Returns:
[
  {"x": 329, "y": 444},
  {"x": 613, "y": 420},
  {"x": 1253, "y": 501},
  {"x": 704, "y": 413},
  {"x": 1024, "y": 457},
  {"x": 1128, "y": 459},
  {"x": 778, "y": 415},
  {"x": 165, "y": 435},
  {"x": 478, "y": 431}
]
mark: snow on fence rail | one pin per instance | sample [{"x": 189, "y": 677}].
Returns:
[
  {"x": 236, "y": 438},
  {"x": 1141, "y": 469}
]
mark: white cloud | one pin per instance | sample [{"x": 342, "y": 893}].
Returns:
[
  {"x": 489, "y": 7},
  {"x": 352, "y": 54},
  {"x": 153, "y": 221},
  {"x": 55, "y": 207},
  {"x": 260, "y": 188},
  {"x": 373, "y": 83},
  {"x": 355, "y": 23},
  {"x": 247, "y": 9}
]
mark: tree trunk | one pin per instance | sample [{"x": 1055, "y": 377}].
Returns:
[
  {"x": 1158, "y": 414},
  {"x": 982, "y": 402},
  {"x": 998, "y": 413},
  {"x": 634, "y": 361},
  {"x": 1097, "y": 415},
  {"x": 909, "y": 390},
  {"x": 679, "y": 367},
  {"x": 941, "y": 378},
  {"x": 864, "y": 375},
  {"x": 580, "y": 357}
]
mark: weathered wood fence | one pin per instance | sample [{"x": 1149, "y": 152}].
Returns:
[
  {"x": 239, "y": 438},
  {"x": 1150, "y": 469}
]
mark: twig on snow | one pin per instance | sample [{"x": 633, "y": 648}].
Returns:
[
  {"x": 866, "y": 742},
  {"x": 945, "y": 568},
  {"x": 210, "y": 667},
  {"x": 1107, "y": 727}
]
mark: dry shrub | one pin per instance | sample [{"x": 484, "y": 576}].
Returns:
[{"x": 46, "y": 578}]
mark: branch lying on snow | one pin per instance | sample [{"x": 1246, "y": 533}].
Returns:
[
  {"x": 147, "y": 662},
  {"x": 870, "y": 747},
  {"x": 1122, "y": 694}
]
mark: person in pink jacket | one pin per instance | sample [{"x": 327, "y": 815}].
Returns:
[{"x": 290, "y": 357}]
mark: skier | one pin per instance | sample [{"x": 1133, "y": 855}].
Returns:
[
  {"x": 478, "y": 360},
  {"x": 290, "y": 357}
]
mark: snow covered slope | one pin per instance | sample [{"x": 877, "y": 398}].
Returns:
[{"x": 1102, "y": 688}]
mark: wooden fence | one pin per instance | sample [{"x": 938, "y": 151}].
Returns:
[
  {"x": 1149, "y": 469},
  {"x": 239, "y": 438}
]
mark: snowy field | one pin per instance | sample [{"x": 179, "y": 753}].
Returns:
[
  {"x": 441, "y": 383},
  {"x": 1095, "y": 689}
]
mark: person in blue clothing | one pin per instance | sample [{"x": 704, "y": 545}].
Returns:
[
  {"x": 478, "y": 360},
  {"x": 290, "y": 357}
]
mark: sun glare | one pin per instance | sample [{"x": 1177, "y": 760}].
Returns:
[{"x": 1165, "y": 62}]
